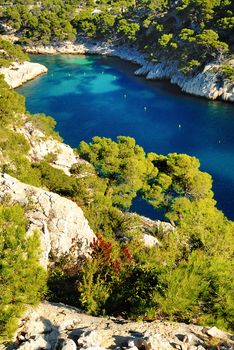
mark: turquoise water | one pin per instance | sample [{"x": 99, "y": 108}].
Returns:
[{"x": 93, "y": 95}]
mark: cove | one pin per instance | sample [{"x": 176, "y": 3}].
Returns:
[{"x": 92, "y": 95}]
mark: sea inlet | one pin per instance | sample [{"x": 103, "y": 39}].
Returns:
[{"x": 93, "y": 95}]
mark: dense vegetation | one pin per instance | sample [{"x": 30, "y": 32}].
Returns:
[
  {"x": 188, "y": 277},
  {"x": 11, "y": 53},
  {"x": 22, "y": 279},
  {"x": 190, "y": 32}
]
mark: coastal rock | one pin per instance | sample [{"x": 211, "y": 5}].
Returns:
[
  {"x": 93, "y": 47},
  {"x": 18, "y": 74},
  {"x": 63, "y": 228},
  {"x": 209, "y": 83}
]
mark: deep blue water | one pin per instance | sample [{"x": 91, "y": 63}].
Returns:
[{"x": 93, "y": 95}]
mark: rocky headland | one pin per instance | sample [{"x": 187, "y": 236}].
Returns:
[
  {"x": 18, "y": 74},
  {"x": 63, "y": 228}
]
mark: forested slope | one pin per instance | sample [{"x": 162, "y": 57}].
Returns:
[{"x": 190, "y": 32}]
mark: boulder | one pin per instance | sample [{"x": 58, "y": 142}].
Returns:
[
  {"x": 216, "y": 333},
  {"x": 150, "y": 241},
  {"x": 34, "y": 344},
  {"x": 68, "y": 324},
  {"x": 192, "y": 339},
  {"x": 90, "y": 339},
  {"x": 39, "y": 327},
  {"x": 153, "y": 342}
]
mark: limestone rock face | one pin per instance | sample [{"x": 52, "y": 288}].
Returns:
[
  {"x": 18, "y": 74},
  {"x": 61, "y": 223},
  {"x": 209, "y": 83}
]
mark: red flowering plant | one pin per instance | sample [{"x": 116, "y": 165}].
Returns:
[
  {"x": 108, "y": 263},
  {"x": 110, "y": 255}
]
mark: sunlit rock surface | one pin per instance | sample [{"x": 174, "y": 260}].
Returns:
[
  {"x": 63, "y": 228},
  {"x": 18, "y": 74}
]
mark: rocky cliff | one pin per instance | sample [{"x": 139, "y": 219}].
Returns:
[
  {"x": 209, "y": 83},
  {"x": 63, "y": 228}
]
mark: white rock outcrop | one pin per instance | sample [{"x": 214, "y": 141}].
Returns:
[
  {"x": 18, "y": 74},
  {"x": 216, "y": 333},
  {"x": 42, "y": 146},
  {"x": 63, "y": 228},
  {"x": 150, "y": 241},
  {"x": 209, "y": 83}
]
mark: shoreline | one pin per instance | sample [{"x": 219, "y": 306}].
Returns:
[{"x": 205, "y": 84}]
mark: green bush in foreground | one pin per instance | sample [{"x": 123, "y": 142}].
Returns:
[{"x": 22, "y": 279}]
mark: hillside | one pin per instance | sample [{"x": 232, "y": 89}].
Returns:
[{"x": 53, "y": 193}]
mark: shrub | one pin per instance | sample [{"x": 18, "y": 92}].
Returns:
[
  {"x": 46, "y": 124},
  {"x": 101, "y": 273},
  {"x": 22, "y": 280}
]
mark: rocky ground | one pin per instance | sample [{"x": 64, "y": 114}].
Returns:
[{"x": 56, "y": 326}]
